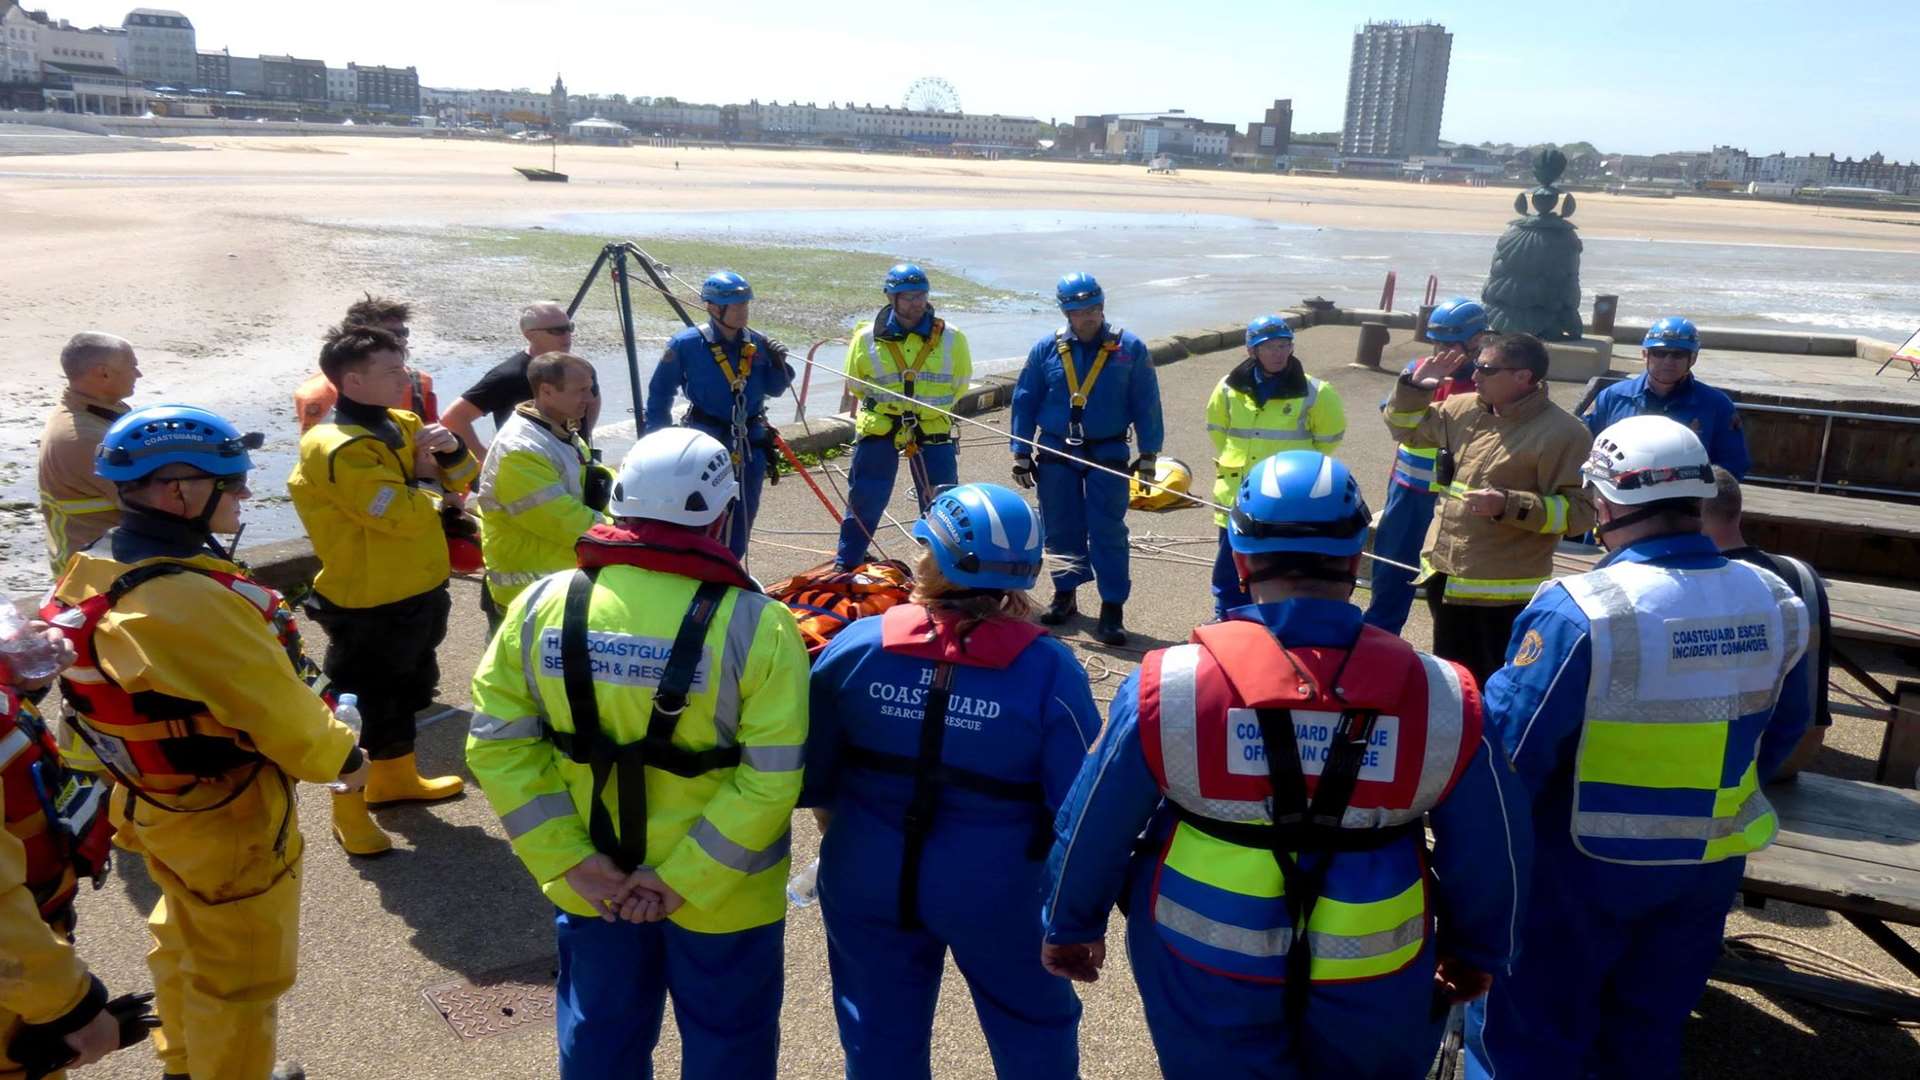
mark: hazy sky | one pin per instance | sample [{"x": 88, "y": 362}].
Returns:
[{"x": 1631, "y": 75}]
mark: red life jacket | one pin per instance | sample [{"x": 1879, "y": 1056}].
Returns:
[
  {"x": 59, "y": 815},
  {"x": 155, "y": 743},
  {"x": 1409, "y": 724}
]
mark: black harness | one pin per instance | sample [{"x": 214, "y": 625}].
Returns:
[
  {"x": 587, "y": 745},
  {"x": 930, "y": 775},
  {"x": 1302, "y": 825}
]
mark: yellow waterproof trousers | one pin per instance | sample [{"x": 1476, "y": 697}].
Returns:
[{"x": 226, "y": 929}]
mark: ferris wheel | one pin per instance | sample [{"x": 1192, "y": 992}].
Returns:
[{"x": 931, "y": 93}]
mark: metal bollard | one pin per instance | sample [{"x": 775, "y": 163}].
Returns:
[
  {"x": 1604, "y": 310},
  {"x": 1373, "y": 342},
  {"x": 1319, "y": 310},
  {"x": 1420, "y": 322}
]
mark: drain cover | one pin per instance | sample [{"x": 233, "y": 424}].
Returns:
[{"x": 496, "y": 1002}]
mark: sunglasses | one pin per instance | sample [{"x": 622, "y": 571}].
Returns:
[
  {"x": 563, "y": 328},
  {"x": 403, "y": 333},
  {"x": 1492, "y": 370},
  {"x": 1669, "y": 354}
]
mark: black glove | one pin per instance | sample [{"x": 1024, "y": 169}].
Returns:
[
  {"x": 778, "y": 350},
  {"x": 42, "y": 1050},
  {"x": 596, "y": 487},
  {"x": 1023, "y": 470},
  {"x": 1143, "y": 467},
  {"x": 455, "y": 523},
  {"x": 772, "y": 453}
]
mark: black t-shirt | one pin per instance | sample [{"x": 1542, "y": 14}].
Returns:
[
  {"x": 1822, "y": 623},
  {"x": 505, "y": 386}
]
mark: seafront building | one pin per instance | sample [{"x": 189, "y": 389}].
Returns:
[{"x": 1396, "y": 88}]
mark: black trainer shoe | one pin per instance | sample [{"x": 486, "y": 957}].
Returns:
[
  {"x": 1064, "y": 607},
  {"x": 1108, "y": 629}
]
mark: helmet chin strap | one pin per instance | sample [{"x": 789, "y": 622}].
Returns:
[
  {"x": 1632, "y": 517},
  {"x": 203, "y": 521}
]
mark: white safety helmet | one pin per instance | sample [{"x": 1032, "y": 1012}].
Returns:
[
  {"x": 1644, "y": 459},
  {"x": 676, "y": 475}
]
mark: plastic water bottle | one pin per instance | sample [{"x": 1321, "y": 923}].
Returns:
[
  {"x": 346, "y": 710},
  {"x": 27, "y": 653},
  {"x": 803, "y": 888}
]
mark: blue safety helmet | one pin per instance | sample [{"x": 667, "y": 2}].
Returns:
[
  {"x": 1456, "y": 321},
  {"x": 1299, "y": 500},
  {"x": 1672, "y": 332},
  {"x": 1078, "y": 290},
  {"x": 906, "y": 277},
  {"x": 983, "y": 536},
  {"x": 147, "y": 438},
  {"x": 726, "y": 287},
  {"x": 1268, "y": 328}
]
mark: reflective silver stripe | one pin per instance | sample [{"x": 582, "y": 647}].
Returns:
[
  {"x": 487, "y": 727},
  {"x": 11, "y": 746},
  {"x": 1446, "y": 731},
  {"x": 508, "y": 578},
  {"x": 1183, "y": 920},
  {"x": 1664, "y": 827},
  {"x": 529, "y": 624},
  {"x": 534, "y": 498},
  {"x": 742, "y": 625},
  {"x": 734, "y": 856},
  {"x": 1179, "y": 744},
  {"x": 1367, "y": 946},
  {"x": 87, "y": 675},
  {"x": 543, "y": 808},
  {"x": 770, "y": 759},
  {"x": 1621, "y": 701},
  {"x": 1293, "y": 434},
  {"x": 1422, "y": 474},
  {"x": 1275, "y": 943}
]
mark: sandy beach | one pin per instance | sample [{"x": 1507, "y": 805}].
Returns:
[
  {"x": 196, "y": 253},
  {"x": 224, "y": 264}
]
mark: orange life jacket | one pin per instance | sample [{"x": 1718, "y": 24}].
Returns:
[
  {"x": 155, "y": 743},
  {"x": 825, "y": 600},
  {"x": 316, "y": 398}
]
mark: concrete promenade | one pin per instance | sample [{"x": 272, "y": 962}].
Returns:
[{"x": 454, "y": 904}]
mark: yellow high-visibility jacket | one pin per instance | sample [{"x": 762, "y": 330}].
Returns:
[
  {"x": 376, "y": 530},
  {"x": 720, "y": 838},
  {"x": 941, "y": 379},
  {"x": 1305, "y": 414},
  {"x": 531, "y": 502}
]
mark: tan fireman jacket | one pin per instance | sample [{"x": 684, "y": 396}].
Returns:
[{"x": 1532, "y": 451}]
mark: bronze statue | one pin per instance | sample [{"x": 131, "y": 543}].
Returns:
[{"x": 1534, "y": 285}]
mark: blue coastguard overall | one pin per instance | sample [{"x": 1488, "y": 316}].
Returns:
[
  {"x": 1703, "y": 410},
  {"x": 690, "y": 367},
  {"x": 1084, "y": 510},
  {"x": 1404, "y": 521},
  {"x": 1637, "y": 861},
  {"x": 879, "y": 440},
  {"x": 1208, "y": 1025},
  {"x": 1020, "y": 712}
]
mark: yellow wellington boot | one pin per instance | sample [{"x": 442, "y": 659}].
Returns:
[
  {"x": 354, "y": 828},
  {"x": 395, "y": 780}
]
